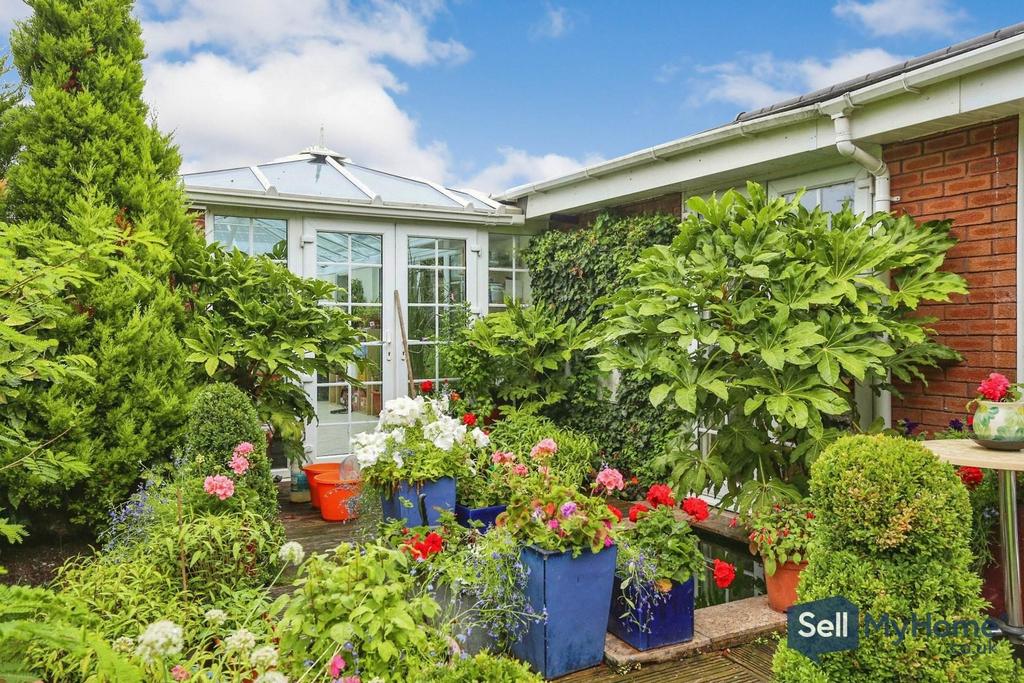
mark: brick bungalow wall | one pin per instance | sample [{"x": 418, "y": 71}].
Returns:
[
  {"x": 968, "y": 175},
  {"x": 667, "y": 203}
]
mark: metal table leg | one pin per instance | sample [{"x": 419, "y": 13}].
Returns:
[{"x": 1014, "y": 626}]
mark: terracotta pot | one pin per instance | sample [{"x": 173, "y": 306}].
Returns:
[{"x": 782, "y": 585}]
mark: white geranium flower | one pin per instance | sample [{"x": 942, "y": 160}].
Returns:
[
  {"x": 481, "y": 438},
  {"x": 160, "y": 639},
  {"x": 401, "y": 412},
  {"x": 241, "y": 641},
  {"x": 368, "y": 447},
  {"x": 291, "y": 553}
]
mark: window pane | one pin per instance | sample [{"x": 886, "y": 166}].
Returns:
[
  {"x": 423, "y": 357},
  {"x": 366, "y": 285},
  {"x": 499, "y": 250},
  {"x": 268, "y": 233},
  {"x": 372, "y": 371},
  {"x": 368, "y": 320},
  {"x": 422, "y": 251},
  {"x": 336, "y": 275},
  {"x": 332, "y": 403},
  {"x": 231, "y": 232},
  {"x": 452, "y": 287},
  {"x": 523, "y": 286},
  {"x": 499, "y": 285},
  {"x": 332, "y": 247},
  {"x": 422, "y": 286},
  {"x": 366, "y": 248},
  {"x": 421, "y": 323},
  {"x": 451, "y": 252},
  {"x": 833, "y": 196}
]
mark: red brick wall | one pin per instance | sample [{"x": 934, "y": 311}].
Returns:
[
  {"x": 668, "y": 203},
  {"x": 970, "y": 176}
]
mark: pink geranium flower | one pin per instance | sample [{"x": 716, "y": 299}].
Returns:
[
  {"x": 611, "y": 479},
  {"x": 179, "y": 673},
  {"x": 520, "y": 469},
  {"x": 220, "y": 486},
  {"x": 337, "y": 665},
  {"x": 244, "y": 448},
  {"x": 502, "y": 457},
  {"x": 239, "y": 464},
  {"x": 994, "y": 387},
  {"x": 544, "y": 448}
]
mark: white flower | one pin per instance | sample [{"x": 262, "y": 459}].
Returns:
[
  {"x": 272, "y": 677},
  {"x": 215, "y": 616},
  {"x": 160, "y": 639},
  {"x": 445, "y": 432},
  {"x": 124, "y": 645},
  {"x": 401, "y": 412},
  {"x": 440, "y": 405},
  {"x": 398, "y": 460},
  {"x": 368, "y": 447},
  {"x": 291, "y": 553},
  {"x": 264, "y": 657},
  {"x": 480, "y": 437},
  {"x": 242, "y": 640},
  {"x": 397, "y": 435}
]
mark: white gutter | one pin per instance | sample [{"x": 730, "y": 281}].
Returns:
[
  {"x": 875, "y": 166},
  {"x": 980, "y": 58}
]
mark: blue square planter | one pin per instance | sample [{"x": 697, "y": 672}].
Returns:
[
  {"x": 671, "y": 622},
  {"x": 577, "y": 594},
  {"x": 485, "y": 516},
  {"x": 425, "y": 501}
]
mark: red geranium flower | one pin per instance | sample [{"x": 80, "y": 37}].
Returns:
[
  {"x": 469, "y": 419},
  {"x": 455, "y": 396},
  {"x": 660, "y": 494},
  {"x": 970, "y": 476},
  {"x": 724, "y": 573},
  {"x": 994, "y": 387},
  {"x": 615, "y": 511},
  {"x": 637, "y": 510},
  {"x": 421, "y": 550},
  {"x": 970, "y": 421},
  {"x": 426, "y": 386},
  {"x": 696, "y": 508}
]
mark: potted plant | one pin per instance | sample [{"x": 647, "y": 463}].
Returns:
[
  {"x": 569, "y": 552},
  {"x": 414, "y": 457},
  {"x": 659, "y": 562},
  {"x": 780, "y": 536},
  {"x": 998, "y": 414}
]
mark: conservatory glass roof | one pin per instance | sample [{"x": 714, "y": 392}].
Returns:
[{"x": 321, "y": 173}]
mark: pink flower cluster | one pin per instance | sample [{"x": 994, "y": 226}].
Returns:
[
  {"x": 239, "y": 464},
  {"x": 610, "y": 479},
  {"x": 220, "y": 486},
  {"x": 544, "y": 448},
  {"x": 994, "y": 387},
  {"x": 503, "y": 457}
]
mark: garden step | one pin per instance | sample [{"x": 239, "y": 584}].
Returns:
[{"x": 715, "y": 628}]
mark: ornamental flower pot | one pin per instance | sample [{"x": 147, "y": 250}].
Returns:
[
  {"x": 999, "y": 424},
  {"x": 576, "y": 593},
  {"x": 782, "y": 585},
  {"x": 419, "y": 503},
  {"x": 671, "y": 620},
  {"x": 485, "y": 515}
]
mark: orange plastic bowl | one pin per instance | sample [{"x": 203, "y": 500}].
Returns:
[
  {"x": 312, "y": 471},
  {"x": 338, "y": 497}
]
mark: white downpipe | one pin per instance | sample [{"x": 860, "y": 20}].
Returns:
[
  {"x": 875, "y": 166},
  {"x": 882, "y": 202}
]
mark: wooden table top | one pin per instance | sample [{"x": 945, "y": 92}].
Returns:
[{"x": 966, "y": 452}]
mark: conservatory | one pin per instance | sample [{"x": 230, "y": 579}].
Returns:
[{"x": 406, "y": 252}]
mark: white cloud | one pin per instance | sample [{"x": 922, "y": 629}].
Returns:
[
  {"x": 555, "y": 23},
  {"x": 757, "y": 80},
  {"x": 518, "y": 167},
  {"x": 895, "y": 17}
]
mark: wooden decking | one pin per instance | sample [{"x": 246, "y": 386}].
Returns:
[{"x": 750, "y": 663}]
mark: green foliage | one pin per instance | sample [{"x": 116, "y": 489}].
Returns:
[
  {"x": 10, "y": 96},
  {"x": 758, "y": 320},
  {"x": 781, "y": 535},
  {"x": 517, "y": 432},
  {"x": 484, "y": 667},
  {"x": 262, "y": 328},
  {"x": 667, "y": 542},
  {"x": 514, "y": 357},
  {"x": 892, "y": 536},
  {"x": 571, "y": 271},
  {"x": 536, "y": 515},
  {"x": 364, "y": 596}
]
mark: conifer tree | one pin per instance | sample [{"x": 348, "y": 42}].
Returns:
[{"x": 86, "y": 130}]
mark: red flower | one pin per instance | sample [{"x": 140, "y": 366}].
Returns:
[
  {"x": 994, "y": 387},
  {"x": 637, "y": 510},
  {"x": 970, "y": 476},
  {"x": 810, "y": 515},
  {"x": 455, "y": 396},
  {"x": 696, "y": 508},
  {"x": 970, "y": 421},
  {"x": 724, "y": 573},
  {"x": 426, "y": 386},
  {"x": 633, "y": 480},
  {"x": 660, "y": 494},
  {"x": 421, "y": 550},
  {"x": 615, "y": 511},
  {"x": 469, "y": 419},
  {"x": 732, "y": 522}
]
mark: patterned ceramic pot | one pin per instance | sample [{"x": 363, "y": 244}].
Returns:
[{"x": 999, "y": 425}]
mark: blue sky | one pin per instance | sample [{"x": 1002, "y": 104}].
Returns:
[{"x": 495, "y": 93}]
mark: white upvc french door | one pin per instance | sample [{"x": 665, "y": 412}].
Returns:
[{"x": 438, "y": 270}]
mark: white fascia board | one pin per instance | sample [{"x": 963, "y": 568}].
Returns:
[{"x": 362, "y": 210}]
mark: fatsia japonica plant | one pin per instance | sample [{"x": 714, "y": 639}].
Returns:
[
  {"x": 759, "y": 320},
  {"x": 262, "y": 328}
]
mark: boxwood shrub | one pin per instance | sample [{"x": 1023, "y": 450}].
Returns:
[{"x": 892, "y": 536}]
